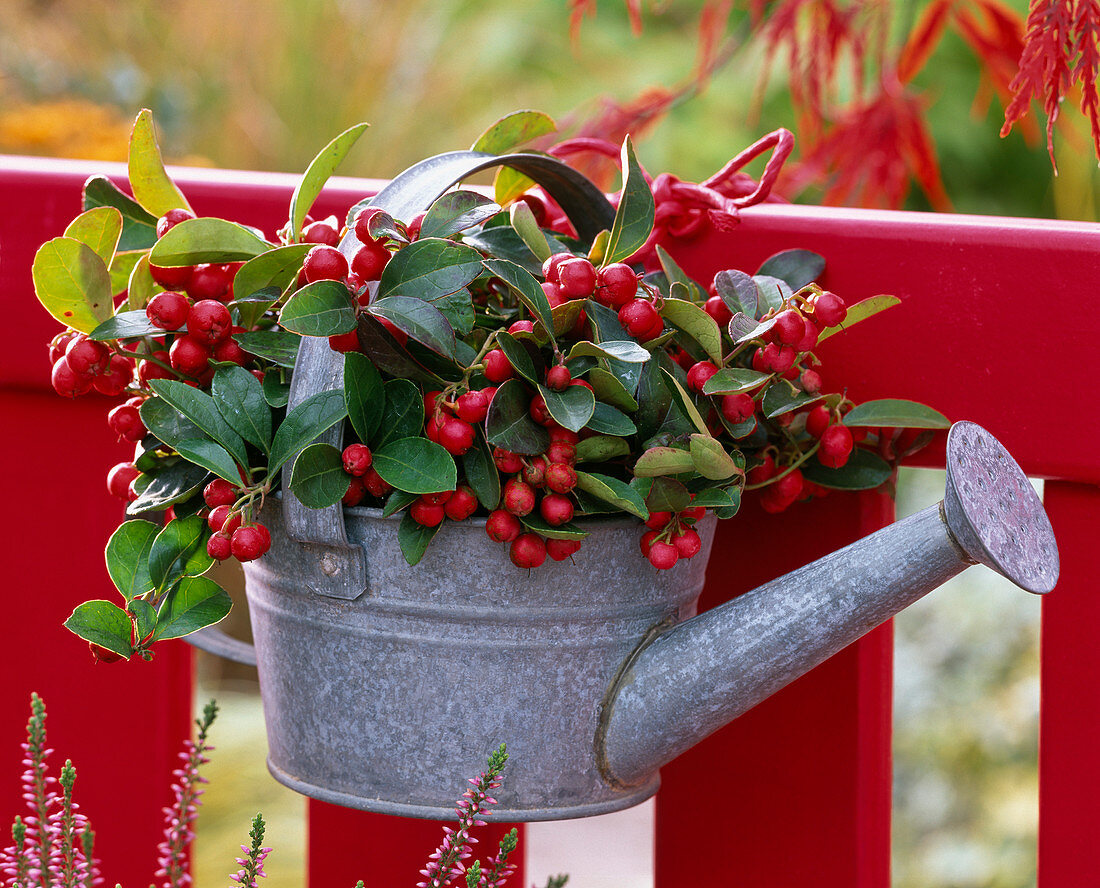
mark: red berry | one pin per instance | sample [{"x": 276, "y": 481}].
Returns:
[
  {"x": 836, "y": 446},
  {"x": 817, "y": 420},
  {"x": 662, "y": 555},
  {"x": 120, "y": 373},
  {"x": 188, "y": 355},
  {"x": 168, "y": 310},
  {"x": 561, "y": 452},
  {"x": 210, "y": 282},
  {"x": 519, "y": 497},
  {"x": 718, "y": 310},
  {"x": 658, "y": 520},
  {"x": 220, "y": 518},
  {"x": 521, "y": 327},
  {"x": 426, "y": 514},
  {"x": 698, "y": 375},
  {"x": 534, "y": 473},
  {"x": 249, "y": 542},
  {"x": 506, "y": 461},
  {"x": 320, "y": 232},
  {"x": 687, "y": 543},
  {"x": 556, "y": 509},
  {"x": 219, "y": 492},
  {"x": 502, "y": 526},
  {"x": 376, "y": 485},
  {"x": 738, "y": 407},
  {"x": 67, "y": 383},
  {"x": 616, "y": 284},
  {"x": 413, "y": 226},
  {"x": 438, "y": 498},
  {"x": 789, "y": 328},
  {"x": 761, "y": 473},
  {"x": 472, "y": 406},
  {"x": 171, "y": 276},
  {"x": 829, "y": 309},
  {"x": 353, "y": 496},
  {"x": 555, "y": 295},
  {"x": 370, "y": 260},
  {"x": 809, "y": 339},
  {"x": 219, "y": 547},
  {"x": 647, "y": 540},
  {"x": 325, "y": 263},
  {"x": 357, "y": 459},
  {"x": 639, "y": 317},
  {"x": 147, "y": 370},
  {"x": 695, "y": 513},
  {"x": 209, "y": 322},
  {"x": 87, "y": 357},
  {"x": 362, "y": 223},
  {"x": 810, "y": 380},
  {"x": 577, "y": 278},
  {"x": 774, "y": 358},
  {"x": 125, "y": 421},
  {"x": 171, "y": 219},
  {"x": 559, "y": 550},
  {"x": 561, "y": 433},
  {"x": 229, "y": 352},
  {"x": 560, "y": 477},
  {"x": 538, "y": 411},
  {"x": 497, "y": 366},
  {"x": 558, "y": 378},
  {"x": 344, "y": 342},
  {"x": 456, "y": 436},
  {"x": 782, "y": 493},
  {"x": 550, "y": 266},
  {"x": 527, "y": 550},
  {"x": 120, "y": 478},
  {"x": 461, "y": 505}
]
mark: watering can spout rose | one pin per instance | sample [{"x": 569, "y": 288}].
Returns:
[{"x": 376, "y": 697}]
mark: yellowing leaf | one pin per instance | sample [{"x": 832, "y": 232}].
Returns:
[
  {"x": 72, "y": 283},
  {"x": 99, "y": 228},
  {"x": 149, "y": 181}
]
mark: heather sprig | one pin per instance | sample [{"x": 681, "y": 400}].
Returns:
[
  {"x": 180, "y": 817},
  {"x": 499, "y": 867},
  {"x": 252, "y": 864}
]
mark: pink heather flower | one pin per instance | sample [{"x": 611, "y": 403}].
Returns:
[{"x": 252, "y": 864}]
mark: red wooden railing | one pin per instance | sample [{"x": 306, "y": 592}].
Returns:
[{"x": 996, "y": 325}]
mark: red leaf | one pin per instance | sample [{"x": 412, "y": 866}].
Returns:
[
  {"x": 1086, "y": 28},
  {"x": 922, "y": 41}
]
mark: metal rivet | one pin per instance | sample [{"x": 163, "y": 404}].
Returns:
[{"x": 330, "y": 565}]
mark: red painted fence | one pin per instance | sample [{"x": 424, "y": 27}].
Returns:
[{"x": 997, "y": 325}]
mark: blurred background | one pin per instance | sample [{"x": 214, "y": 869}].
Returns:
[{"x": 263, "y": 84}]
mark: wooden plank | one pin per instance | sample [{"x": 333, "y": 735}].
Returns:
[{"x": 1069, "y": 729}]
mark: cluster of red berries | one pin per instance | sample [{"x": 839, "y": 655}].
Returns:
[
  {"x": 615, "y": 285},
  {"x": 671, "y": 537},
  {"x": 230, "y": 536}
]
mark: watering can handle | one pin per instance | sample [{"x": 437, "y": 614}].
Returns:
[
  {"x": 212, "y": 640},
  {"x": 342, "y": 565}
]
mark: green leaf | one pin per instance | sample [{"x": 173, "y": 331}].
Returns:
[
  {"x": 456, "y": 211},
  {"x": 102, "y": 623},
  {"x": 518, "y": 357},
  {"x": 318, "y": 172},
  {"x": 138, "y": 227},
  {"x": 414, "y": 538},
  {"x": 277, "y": 346},
  {"x": 739, "y": 292},
  {"x": 179, "y": 550},
  {"x": 525, "y": 286},
  {"x": 565, "y": 316},
  {"x": 99, "y": 229},
  {"x": 276, "y": 268},
  {"x": 121, "y": 268},
  {"x": 612, "y": 490},
  {"x": 152, "y": 187},
  {"x": 481, "y": 472},
  {"x": 381, "y": 226},
  {"x": 699, "y": 325},
  {"x": 199, "y": 407},
  {"x": 207, "y": 240},
  {"x": 509, "y": 424},
  {"x": 540, "y": 525},
  {"x": 276, "y": 392},
  {"x": 772, "y": 292},
  {"x": 322, "y": 308},
  {"x": 205, "y": 453},
  {"x": 167, "y": 423},
  {"x": 609, "y": 421},
  {"x": 416, "y": 465},
  {"x": 718, "y": 498},
  {"x": 195, "y": 603},
  {"x": 663, "y": 461},
  {"x": 421, "y": 320},
  {"x": 731, "y": 380},
  {"x": 676, "y": 274},
  {"x": 618, "y": 349},
  {"x": 743, "y": 329},
  {"x": 795, "y": 267},
  {"x": 125, "y": 325},
  {"x": 429, "y": 269},
  {"x": 600, "y": 448},
  {"x": 780, "y": 398},
  {"x": 504, "y": 242},
  {"x": 127, "y": 556},
  {"x": 609, "y": 389},
  {"x": 72, "y": 283},
  {"x": 363, "y": 394},
  {"x": 176, "y": 483},
  {"x": 523, "y": 221},
  {"x": 145, "y": 617},
  {"x": 513, "y": 130},
  {"x": 599, "y": 247},
  {"x": 634, "y": 217},
  {"x": 305, "y": 422},
  {"x": 683, "y": 400},
  {"x": 860, "y": 312},
  {"x": 667, "y": 495},
  {"x": 318, "y": 478},
  {"x": 240, "y": 400},
  {"x": 896, "y": 413},
  {"x": 397, "y": 501},
  {"x": 571, "y": 408},
  {"x": 141, "y": 287},
  {"x": 863, "y": 471},
  {"x": 710, "y": 458},
  {"x": 402, "y": 415}
]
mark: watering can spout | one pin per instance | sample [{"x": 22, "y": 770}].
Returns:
[{"x": 683, "y": 684}]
